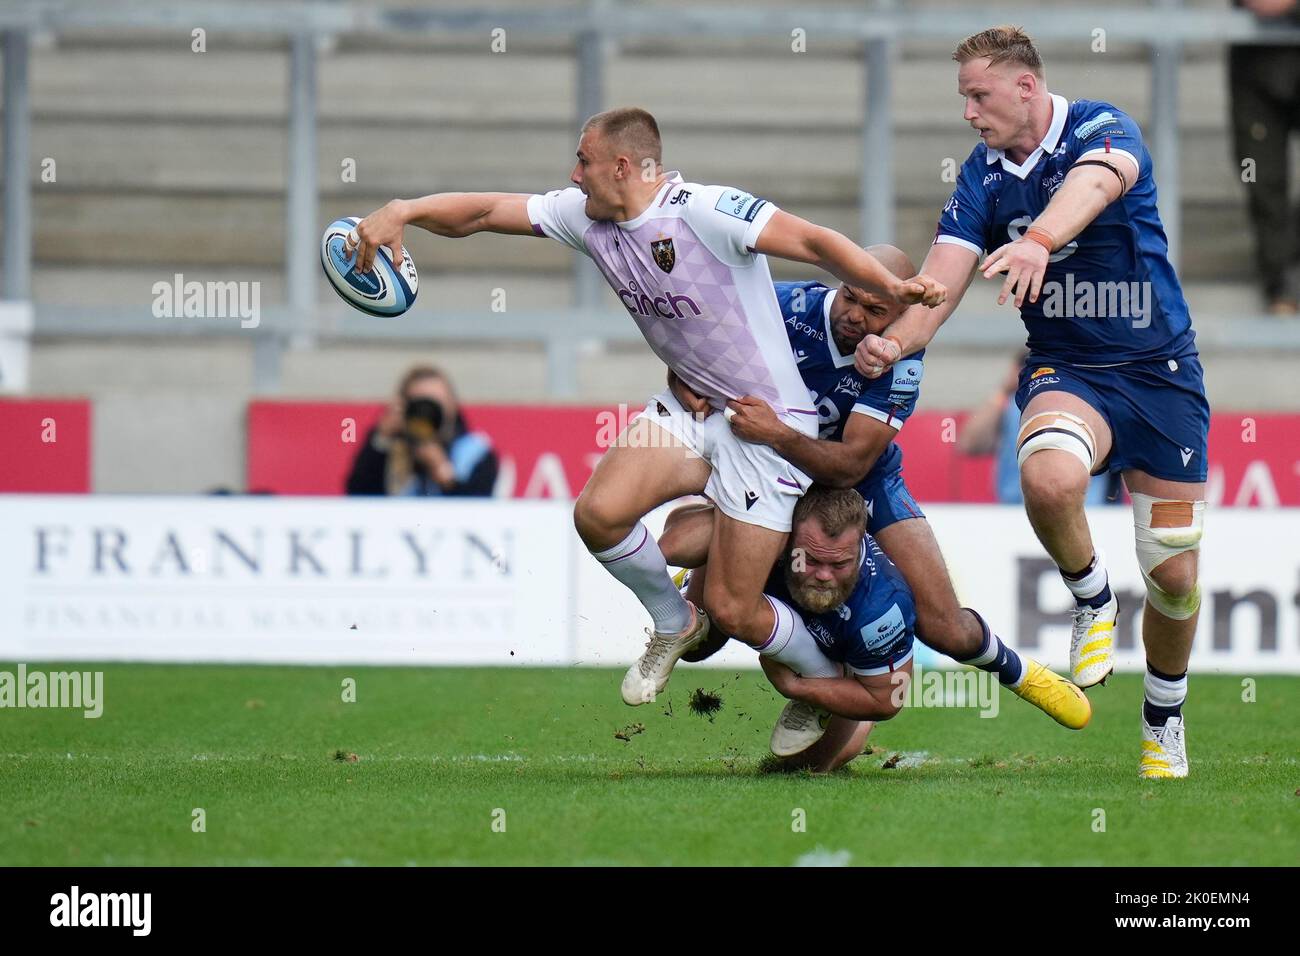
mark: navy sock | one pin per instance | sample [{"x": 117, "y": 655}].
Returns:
[{"x": 994, "y": 656}]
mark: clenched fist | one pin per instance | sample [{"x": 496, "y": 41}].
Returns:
[
  {"x": 920, "y": 288},
  {"x": 874, "y": 354}
]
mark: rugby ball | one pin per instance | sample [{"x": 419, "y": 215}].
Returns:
[{"x": 387, "y": 290}]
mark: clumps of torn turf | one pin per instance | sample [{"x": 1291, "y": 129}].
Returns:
[
  {"x": 705, "y": 703},
  {"x": 628, "y": 732},
  {"x": 345, "y": 756}
]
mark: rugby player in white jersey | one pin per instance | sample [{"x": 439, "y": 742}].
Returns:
[{"x": 688, "y": 263}]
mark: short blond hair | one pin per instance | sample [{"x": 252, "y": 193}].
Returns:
[
  {"x": 836, "y": 509},
  {"x": 629, "y": 129},
  {"x": 1005, "y": 44}
]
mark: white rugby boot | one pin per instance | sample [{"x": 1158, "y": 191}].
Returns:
[
  {"x": 1092, "y": 643},
  {"x": 648, "y": 677},
  {"x": 799, "y": 727},
  {"x": 1164, "y": 750}
]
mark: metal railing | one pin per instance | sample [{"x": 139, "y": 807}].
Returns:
[{"x": 1164, "y": 27}]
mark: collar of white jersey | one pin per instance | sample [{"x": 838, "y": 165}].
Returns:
[
  {"x": 1060, "y": 112},
  {"x": 673, "y": 179},
  {"x": 837, "y": 357}
]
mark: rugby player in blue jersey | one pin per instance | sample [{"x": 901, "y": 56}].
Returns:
[
  {"x": 855, "y": 448},
  {"x": 1059, "y": 197},
  {"x": 856, "y": 605}
]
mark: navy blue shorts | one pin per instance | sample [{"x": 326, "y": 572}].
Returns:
[
  {"x": 888, "y": 500},
  {"x": 1158, "y": 416}
]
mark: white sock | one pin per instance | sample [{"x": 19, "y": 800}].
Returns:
[
  {"x": 1091, "y": 584},
  {"x": 792, "y": 644},
  {"x": 639, "y": 564},
  {"x": 1162, "y": 692}
]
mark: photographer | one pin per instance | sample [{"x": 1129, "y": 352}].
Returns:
[{"x": 422, "y": 445}]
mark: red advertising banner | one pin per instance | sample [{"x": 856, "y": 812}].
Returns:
[
  {"x": 45, "y": 445},
  {"x": 306, "y": 448}
]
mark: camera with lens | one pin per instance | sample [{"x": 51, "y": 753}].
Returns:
[{"x": 423, "y": 421}]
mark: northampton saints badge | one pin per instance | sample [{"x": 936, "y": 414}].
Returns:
[{"x": 665, "y": 257}]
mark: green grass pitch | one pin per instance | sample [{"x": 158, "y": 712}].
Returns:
[{"x": 286, "y": 772}]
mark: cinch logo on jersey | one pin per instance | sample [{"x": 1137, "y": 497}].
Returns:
[
  {"x": 1097, "y": 300},
  {"x": 638, "y": 303},
  {"x": 931, "y": 688},
  {"x": 103, "y": 909}
]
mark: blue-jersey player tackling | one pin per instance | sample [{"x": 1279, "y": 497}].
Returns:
[
  {"x": 1062, "y": 199},
  {"x": 855, "y": 448}
]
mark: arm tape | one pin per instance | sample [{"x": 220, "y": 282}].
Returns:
[{"x": 1123, "y": 183}]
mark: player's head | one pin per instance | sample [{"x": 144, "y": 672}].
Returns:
[
  {"x": 825, "y": 544},
  {"x": 619, "y": 154},
  {"x": 856, "y": 312},
  {"x": 1001, "y": 79}
]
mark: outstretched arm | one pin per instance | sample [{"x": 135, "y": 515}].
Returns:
[
  {"x": 454, "y": 215},
  {"x": 789, "y": 237}
]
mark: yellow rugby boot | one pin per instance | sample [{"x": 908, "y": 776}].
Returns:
[{"x": 1053, "y": 695}]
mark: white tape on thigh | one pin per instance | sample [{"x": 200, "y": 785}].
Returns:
[
  {"x": 1157, "y": 545},
  {"x": 1057, "y": 430}
]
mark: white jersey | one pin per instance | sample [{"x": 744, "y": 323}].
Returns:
[{"x": 687, "y": 271}]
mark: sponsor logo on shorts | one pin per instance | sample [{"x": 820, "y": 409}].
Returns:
[
  {"x": 1042, "y": 371},
  {"x": 1045, "y": 380},
  {"x": 750, "y": 498}
]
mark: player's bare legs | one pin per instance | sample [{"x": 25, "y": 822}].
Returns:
[
  {"x": 1055, "y": 482},
  {"x": 1167, "y": 519},
  {"x": 647, "y": 467},
  {"x": 940, "y": 620},
  {"x": 1062, "y": 441},
  {"x": 688, "y": 532},
  {"x": 961, "y": 633},
  {"x": 741, "y": 557}
]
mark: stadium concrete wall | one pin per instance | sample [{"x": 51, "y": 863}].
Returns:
[{"x": 317, "y": 581}]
